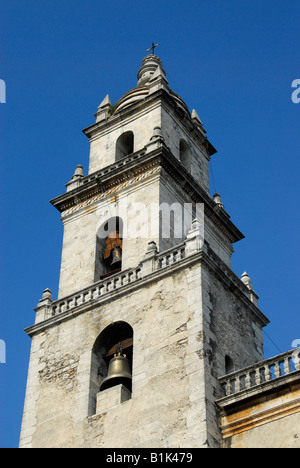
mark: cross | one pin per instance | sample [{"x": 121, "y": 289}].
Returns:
[{"x": 153, "y": 47}]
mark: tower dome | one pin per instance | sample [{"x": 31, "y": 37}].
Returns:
[
  {"x": 131, "y": 97},
  {"x": 150, "y": 69}
]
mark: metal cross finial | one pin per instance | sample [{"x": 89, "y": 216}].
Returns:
[{"x": 153, "y": 47}]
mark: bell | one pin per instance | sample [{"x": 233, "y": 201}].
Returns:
[
  {"x": 116, "y": 257},
  {"x": 118, "y": 373}
]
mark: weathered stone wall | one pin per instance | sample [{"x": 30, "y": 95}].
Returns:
[
  {"x": 167, "y": 408},
  {"x": 137, "y": 203},
  {"x": 173, "y": 132},
  {"x": 182, "y": 326},
  {"x": 280, "y": 433},
  {"x": 230, "y": 328},
  {"x": 78, "y": 264}
]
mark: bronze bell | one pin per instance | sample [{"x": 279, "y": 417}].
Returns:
[
  {"x": 116, "y": 256},
  {"x": 118, "y": 373}
]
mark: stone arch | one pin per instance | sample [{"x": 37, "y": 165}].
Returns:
[
  {"x": 229, "y": 365},
  {"x": 106, "y": 344},
  {"x": 124, "y": 145},
  {"x": 110, "y": 233},
  {"x": 185, "y": 154}
]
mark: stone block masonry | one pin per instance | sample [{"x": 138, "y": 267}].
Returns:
[
  {"x": 111, "y": 397},
  {"x": 166, "y": 309}
]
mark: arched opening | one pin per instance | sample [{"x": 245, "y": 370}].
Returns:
[
  {"x": 229, "y": 365},
  {"x": 185, "y": 156},
  {"x": 124, "y": 145},
  {"x": 114, "y": 339},
  {"x": 109, "y": 247}
]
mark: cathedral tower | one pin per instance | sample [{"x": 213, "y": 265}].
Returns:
[{"x": 149, "y": 313}]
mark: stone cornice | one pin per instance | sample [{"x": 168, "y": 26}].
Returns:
[{"x": 108, "y": 180}]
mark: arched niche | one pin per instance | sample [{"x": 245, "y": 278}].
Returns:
[
  {"x": 115, "y": 336},
  {"x": 185, "y": 154},
  {"x": 109, "y": 248},
  {"x": 124, "y": 145},
  {"x": 229, "y": 365}
]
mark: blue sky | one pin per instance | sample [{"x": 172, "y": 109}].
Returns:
[{"x": 233, "y": 61}]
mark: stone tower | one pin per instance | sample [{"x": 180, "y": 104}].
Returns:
[{"x": 145, "y": 277}]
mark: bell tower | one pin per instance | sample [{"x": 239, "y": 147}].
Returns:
[{"x": 149, "y": 313}]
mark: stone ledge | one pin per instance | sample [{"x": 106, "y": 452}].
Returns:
[
  {"x": 203, "y": 256},
  {"x": 113, "y": 295}
]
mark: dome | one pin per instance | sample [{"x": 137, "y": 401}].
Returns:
[
  {"x": 131, "y": 97},
  {"x": 151, "y": 65}
]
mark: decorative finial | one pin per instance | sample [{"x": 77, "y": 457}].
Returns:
[
  {"x": 217, "y": 200},
  {"x": 152, "y": 48},
  {"x": 47, "y": 294},
  {"x": 78, "y": 172},
  {"x": 246, "y": 280}
]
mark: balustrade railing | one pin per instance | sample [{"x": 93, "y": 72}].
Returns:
[
  {"x": 261, "y": 372},
  {"x": 170, "y": 256},
  {"x": 110, "y": 284},
  {"x": 96, "y": 291}
]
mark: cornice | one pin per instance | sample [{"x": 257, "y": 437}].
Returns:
[
  {"x": 100, "y": 182},
  {"x": 108, "y": 180}
]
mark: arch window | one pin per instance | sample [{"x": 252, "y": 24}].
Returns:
[
  {"x": 124, "y": 145},
  {"x": 229, "y": 365},
  {"x": 109, "y": 248},
  {"x": 185, "y": 156},
  {"x": 114, "y": 339}
]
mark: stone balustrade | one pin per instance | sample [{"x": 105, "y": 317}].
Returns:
[
  {"x": 151, "y": 263},
  {"x": 97, "y": 290},
  {"x": 264, "y": 371},
  {"x": 171, "y": 256}
]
